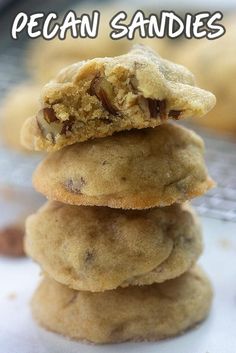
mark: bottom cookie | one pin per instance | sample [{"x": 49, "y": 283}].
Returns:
[{"x": 134, "y": 313}]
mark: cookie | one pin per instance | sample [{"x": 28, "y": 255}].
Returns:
[
  {"x": 61, "y": 53},
  {"x": 100, "y": 248},
  {"x": 134, "y": 313},
  {"x": 213, "y": 62},
  {"x": 98, "y": 97},
  {"x": 137, "y": 169},
  {"x": 20, "y": 103}
]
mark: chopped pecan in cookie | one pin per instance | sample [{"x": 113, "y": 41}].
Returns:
[
  {"x": 157, "y": 108},
  {"x": 67, "y": 125},
  {"x": 175, "y": 114},
  {"x": 50, "y": 126},
  {"x": 103, "y": 90},
  {"x": 49, "y": 115}
]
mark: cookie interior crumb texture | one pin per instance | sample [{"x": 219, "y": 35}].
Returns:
[
  {"x": 134, "y": 313},
  {"x": 137, "y": 169},
  {"x": 98, "y": 97},
  {"x": 99, "y": 248}
]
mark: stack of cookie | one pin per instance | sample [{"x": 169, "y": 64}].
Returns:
[{"x": 117, "y": 241}]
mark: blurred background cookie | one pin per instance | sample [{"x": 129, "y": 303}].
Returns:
[
  {"x": 19, "y": 104},
  {"x": 61, "y": 53},
  {"x": 214, "y": 64},
  {"x": 17, "y": 197}
]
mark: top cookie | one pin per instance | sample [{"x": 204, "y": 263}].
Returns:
[{"x": 96, "y": 98}]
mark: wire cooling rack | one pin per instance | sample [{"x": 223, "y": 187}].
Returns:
[{"x": 219, "y": 202}]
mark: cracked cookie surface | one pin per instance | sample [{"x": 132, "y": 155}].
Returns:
[
  {"x": 99, "y": 248},
  {"x": 98, "y": 97},
  {"x": 134, "y": 313},
  {"x": 136, "y": 169}
]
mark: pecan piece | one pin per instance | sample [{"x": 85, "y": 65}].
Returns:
[
  {"x": 48, "y": 123},
  {"x": 162, "y": 108},
  {"x": 67, "y": 125},
  {"x": 174, "y": 114},
  {"x": 134, "y": 84},
  {"x": 103, "y": 90},
  {"x": 153, "y": 106},
  {"x": 49, "y": 115},
  {"x": 157, "y": 108}
]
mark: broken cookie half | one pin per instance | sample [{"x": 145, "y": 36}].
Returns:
[{"x": 98, "y": 97}]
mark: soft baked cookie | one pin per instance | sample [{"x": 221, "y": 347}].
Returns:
[
  {"x": 136, "y": 169},
  {"x": 214, "y": 63},
  {"x": 20, "y": 103},
  {"x": 101, "y": 96},
  {"x": 134, "y": 313},
  {"x": 100, "y": 248}
]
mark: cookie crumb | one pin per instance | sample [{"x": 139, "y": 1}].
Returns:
[
  {"x": 12, "y": 296},
  {"x": 225, "y": 243}
]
